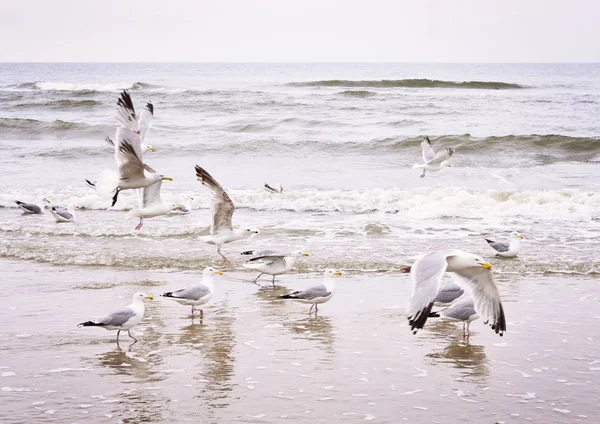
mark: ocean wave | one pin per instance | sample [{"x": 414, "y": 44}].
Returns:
[
  {"x": 417, "y": 203},
  {"x": 411, "y": 83},
  {"x": 64, "y": 104},
  {"x": 86, "y": 87},
  {"x": 34, "y": 129},
  {"x": 363, "y": 94}
]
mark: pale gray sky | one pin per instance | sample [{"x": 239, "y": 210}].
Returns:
[{"x": 300, "y": 30}]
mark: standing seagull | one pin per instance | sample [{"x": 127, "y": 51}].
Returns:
[
  {"x": 472, "y": 272},
  {"x": 273, "y": 263},
  {"x": 124, "y": 318},
  {"x": 221, "y": 230},
  {"x": 61, "y": 215},
  {"x": 151, "y": 204},
  {"x": 433, "y": 161},
  {"x": 198, "y": 294},
  {"x": 30, "y": 208},
  {"x": 449, "y": 292},
  {"x": 316, "y": 294},
  {"x": 462, "y": 309},
  {"x": 510, "y": 249},
  {"x": 133, "y": 173}
]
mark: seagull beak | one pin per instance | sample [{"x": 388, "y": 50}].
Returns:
[
  {"x": 77, "y": 207},
  {"x": 486, "y": 265},
  {"x": 47, "y": 201},
  {"x": 305, "y": 254},
  {"x": 338, "y": 273},
  {"x": 168, "y": 178},
  {"x": 179, "y": 207},
  {"x": 219, "y": 272},
  {"x": 449, "y": 166},
  {"x": 152, "y": 149},
  {"x": 521, "y": 237},
  {"x": 149, "y": 298}
]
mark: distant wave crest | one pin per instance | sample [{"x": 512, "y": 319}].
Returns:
[
  {"x": 87, "y": 87},
  {"x": 411, "y": 83}
]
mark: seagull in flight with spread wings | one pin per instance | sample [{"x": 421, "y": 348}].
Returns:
[
  {"x": 433, "y": 161},
  {"x": 222, "y": 230},
  {"x": 133, "y": 173}
]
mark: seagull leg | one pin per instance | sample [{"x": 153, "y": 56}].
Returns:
[
  {"x": 316, "y": 309},
  {"x": 201, "y": 314},
  {"x": 311, "y": 308},
  {"x": 423, "y": 174},
  {"x": 273, "y": 281},
  {"x": 139, "y": 226},
  {"x": 256, "y": 279},
  {"x": 131, "y": 336},
  {"x": 227, "y": 261},
  {"x": 193, "y": 310},
  {"x": 118, "y": 332}
]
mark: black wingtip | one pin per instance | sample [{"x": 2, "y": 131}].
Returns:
[
  {"x": 18, "y": 202},
  {"x": 434, "y": 315},
  {"x": 286, "y": 296},
  {"x": 115, "y": 197},
  {"x": 247, "y": 252},
  {"x": 90, "y": 183},
  {"x": 169, "y": 294},
  {"x": 418, "y": 321},
  {"x": 427, "y": 140},
  {"x": 87, "y": 324},
  {"x": 489, "y": 241},
  {"x": 150, "y": 108}
]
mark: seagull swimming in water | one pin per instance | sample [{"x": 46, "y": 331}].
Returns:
[
  {"x": 31, "y": 208},
  {"x": 221, "y": 230},
  {"x": 433, "y": 161},
  {"x": 270, "y": 189},
  {"x": 472, "y": 272},
  {"x": 61, "y": 215},
  {"x": 508, "y": 249}
]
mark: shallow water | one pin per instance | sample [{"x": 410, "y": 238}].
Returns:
[{"x": 258, "y": 359}]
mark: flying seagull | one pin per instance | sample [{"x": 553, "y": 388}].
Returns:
[{"x": 433, "y": 161}]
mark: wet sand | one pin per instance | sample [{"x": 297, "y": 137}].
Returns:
[{"x": 258, "y": 360}]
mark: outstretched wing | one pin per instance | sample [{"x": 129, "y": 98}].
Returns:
[
  {"x": 145, "y": 121},
  {"x": 426, "y": 274},
  {"x": 486, "y": 297},
  {"x": 151, "y": 195},
  {"x": 222, "y": 205},
  {"x": 442, "y": 155},
  {"x": 130, "y": 164},
  {"x": 128, "y": 128},
  {"x": 427, "y": 150}
]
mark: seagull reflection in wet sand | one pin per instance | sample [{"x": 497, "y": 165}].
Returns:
[{"x": 316, "y": 328}]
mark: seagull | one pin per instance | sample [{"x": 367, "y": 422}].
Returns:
[
  {"x": 124, "y": 318},
  {"x": 448, "y": 292},
  {"x": 198, "y": 294},
  {"x": 151, "y": 204},
  {"x": 472, "y": 272},
  {"x": 433, "y": 161},
  {"x": 133, "y": 173},
  {"x": 510, "y": 249},
  {"x": 270, "y": 189},
  {"x": 273, "y": 263},
  {"x": 61, "y": 215},
  {"x": 30, "y": 208},
  {"x": 221, "y": 231},
  {"x": 316, "y": 294},
  {"x": 462, "y": 309}
]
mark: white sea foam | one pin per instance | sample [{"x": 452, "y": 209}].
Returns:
[{"x": 67, "y": 86}]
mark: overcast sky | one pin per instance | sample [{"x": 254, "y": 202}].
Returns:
[{"x": 300, "y": 31}]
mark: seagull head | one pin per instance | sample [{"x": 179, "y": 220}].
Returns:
[
  {"x": 298, "y": 253},
  {"x": 210, "y": 271},
  {"x": 515, "y": 235},
  {"x": 140, "y": 297},
  {"x": 330, "y": 273}
]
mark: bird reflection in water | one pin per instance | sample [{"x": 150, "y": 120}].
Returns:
[
  {"x": 314, "y": 328},
  {"x": 459, "y": 352}
]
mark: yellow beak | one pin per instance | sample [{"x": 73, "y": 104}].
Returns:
[
  {"x": 219, "y": 272},
  {"x": 77, "y": 207},
  {"x": 179, "y": 207},
  {"x": 449, "y": 166},
  {"x": 168, "y": 178},
  {"x": 305, "y": 254},
  {"x": 487, "y": 266},
  {"x": 47, "y": 201},
  {"x": 521, "y": 237},
  {"x": 149, "y": 297},
  {"x": 338, "y": 273},
  {"x": 152, "y": 149}
]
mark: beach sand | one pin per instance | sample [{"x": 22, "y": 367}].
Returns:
[{"x": 257, "y": 359}]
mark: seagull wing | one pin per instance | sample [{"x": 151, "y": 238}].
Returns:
[
  {"x": 128, "y": 128},
  {"x": 118, "y": 317},
  {"x": 442, "y": 155},
  {"x": 222, "y": 205},
  {"x": 426, "y": 275},
  {"x": 499, "y": 246},
  {"x": 130, "y": 164},
  {"x": 151, "y": 195},
  {"x": 486, "y": 297},
  {"x": 427, "y": 150},
  {"x": 310, "y": 293},
  {"x": 145, "y": 121}
]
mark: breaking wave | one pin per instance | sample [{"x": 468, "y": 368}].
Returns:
[
  {"x": 411, "y": 83},
  {"x": 88, "y": 87},
  {"x": 34, "y": 129}
]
